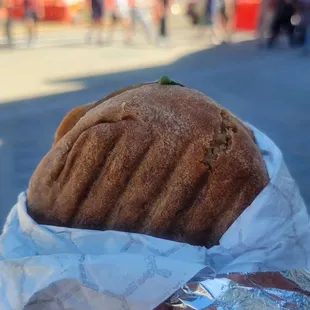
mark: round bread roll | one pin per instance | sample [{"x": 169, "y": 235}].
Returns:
[{"x": 162, "y": 160}]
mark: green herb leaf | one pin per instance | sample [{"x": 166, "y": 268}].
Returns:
[{"x": 165, "y": 80}]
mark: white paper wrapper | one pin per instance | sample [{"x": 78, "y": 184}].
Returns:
[{"x": 114, "y": 270}]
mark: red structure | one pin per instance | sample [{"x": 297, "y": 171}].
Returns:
[
  {"x": 247, "y": 14},
  {"x": 54, "y": 10}
]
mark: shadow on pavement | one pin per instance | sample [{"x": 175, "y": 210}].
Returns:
[{"x": 268, "y": 89}]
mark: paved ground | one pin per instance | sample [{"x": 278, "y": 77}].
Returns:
[{"x": 269, "y": 89}]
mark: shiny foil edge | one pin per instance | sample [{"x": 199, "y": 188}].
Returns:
[{"x": 208, "y": 291}]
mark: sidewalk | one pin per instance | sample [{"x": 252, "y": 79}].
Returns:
[{"x": 66, "y": 55}]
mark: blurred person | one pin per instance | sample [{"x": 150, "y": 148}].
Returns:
[
  {"x": 141, "y": 13},
  {"x": 230, "y": 13},
  {"x": 285, "y": 10},
  {"x": 304, "y": 14},
  {"x": 223, "y": 20},
  {"x": 112, "y": 15},
  {"x": 162, "y": 8},
  {"x": 192, "y": 12},
  {"x": 124, "y": 13},
  {"x": 299, "y": 25},
  {"x": 7, "y": 6},
  {"x": 96, "y": 24},
  {"x": 76, "y": 9},
  {"x": 266, "y": 14},
  {"x": 203, "y": 7},
  {"x": 209, "y": 19},
  {"x": 199, "y": 15},
  {"x": 33, "y": 12}
]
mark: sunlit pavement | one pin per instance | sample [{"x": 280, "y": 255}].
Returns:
[{"x": 269, "y": 89}]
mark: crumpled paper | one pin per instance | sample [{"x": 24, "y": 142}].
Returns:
[{"x": 118, "y": 270}]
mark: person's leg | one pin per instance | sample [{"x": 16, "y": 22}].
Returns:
[
  {"x": 162, "y": 27},
  {"x": 143, "y": 15},
  {"x": 98, "y": 23},
  {"x": 267, "y": 26},
  {"x": 290, "y": 31},
  {"x": 99, "y": 26},
  {"x": 30, "y": 27},
  {"x": 127, "y": 24},
  {"x": 8, "y": 31},
  {"x": 229, "y": 20},
  {"x": 134, "y": 16},
  {"x": 307, "y": 40},
  {"x": 219, "y": 21},
  {"x": 93, "y": 24},
  {"x": 261, "y": 24},
  {"x": 162, "y": 39},
  {"x": 89, "y": 32},
  {"x": 212, "y": 11},
  {"x": 218, "y": 27},
  {"x": 35, "y": 31},
  {"x": 114, "y": 21},
  {"x": 274, "y": 31}
]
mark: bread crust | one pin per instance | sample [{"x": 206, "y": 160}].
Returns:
[{"x": 162, "y": 160}]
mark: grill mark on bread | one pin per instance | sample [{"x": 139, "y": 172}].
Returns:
[
  {"x": 66, "y": 170},
  {"x": 71, "y": 159},
  {"x": 56, "y": 173},
  {"x": 112, "y": 214},
  {"x": 69, "y": 147},
  {"x": 63, "y": 175},
  {"x": 157, "y": 211},
  {"x": 220, "y": 143},
  {"x": 79, "y": 217},
  {"x": 100, "y": 169},
  {"x": 200, "y": 186},
  {"x": 146, "y": 206},
  {"x": 221, "y": 224},
  {"x": 189, "y": 201},
  {"x": 212, "y": 228},
  {"x": 166, "y": 178}
]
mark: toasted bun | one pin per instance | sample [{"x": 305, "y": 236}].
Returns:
[{"x": 163, "y": 160}]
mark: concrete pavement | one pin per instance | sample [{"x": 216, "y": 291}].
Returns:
[
  {"x": 37, "y": 70},
  {"x": 269, "y": 89}
]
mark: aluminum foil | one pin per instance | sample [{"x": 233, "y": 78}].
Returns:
[{"x": 257, "y": 291}]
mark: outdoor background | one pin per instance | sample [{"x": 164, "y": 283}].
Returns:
[{"x": 269, "y": 89}]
